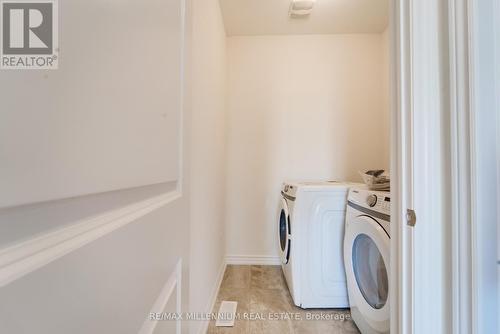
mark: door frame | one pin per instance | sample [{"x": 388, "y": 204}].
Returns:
[
  {"x": 419, "y": 167},
  {"x": 401, "y": 296},
  {"x": 460, "y": 26},
  {"x": 420, "y": 159},
  {"x": 427, "y": 112}
]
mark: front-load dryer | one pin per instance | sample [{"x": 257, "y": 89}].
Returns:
[
  {"x": 366, "y": 258},
  {"x": 311, "y": 231}
]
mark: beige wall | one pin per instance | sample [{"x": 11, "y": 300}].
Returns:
[
  {"x": 208, "y": 152},
  {"x": 299, "y": 107},
  {"x": 386, "y": 73}
]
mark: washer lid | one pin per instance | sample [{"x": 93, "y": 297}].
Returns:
[{"x": 320, "y": 185}]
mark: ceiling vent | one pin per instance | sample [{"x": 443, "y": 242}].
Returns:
[{"x": 301, "y": 8}]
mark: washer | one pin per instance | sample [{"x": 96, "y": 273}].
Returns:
[
  {"x": 366, "y": 257},
  {"x": 311, "y": 221}
]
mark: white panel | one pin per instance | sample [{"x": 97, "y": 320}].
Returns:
[
  {"x": 16, "y": 28},
  {"x": 332, "y": 250},
  {"x": 108, "y": 118},
  {"x": 323, "y": 252}
]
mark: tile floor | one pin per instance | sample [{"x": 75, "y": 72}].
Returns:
[{"x": 261, "y": 292}]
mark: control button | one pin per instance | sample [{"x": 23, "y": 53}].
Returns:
[{"x": 371, "y": 200}]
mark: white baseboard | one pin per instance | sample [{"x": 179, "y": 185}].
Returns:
[
  {"x": 266, "y": 260},
  {"x": 213, "y": 297}
]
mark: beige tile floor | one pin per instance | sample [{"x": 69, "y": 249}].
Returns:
[{"x": 265, "y": 306}]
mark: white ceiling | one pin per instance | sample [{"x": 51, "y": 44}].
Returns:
[{"x": 270, "y": 17}]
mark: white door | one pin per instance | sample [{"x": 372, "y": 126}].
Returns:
[{"x": 94, "y": 218}]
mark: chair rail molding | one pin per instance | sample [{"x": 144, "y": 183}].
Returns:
[{"x": 24, "y": 257}]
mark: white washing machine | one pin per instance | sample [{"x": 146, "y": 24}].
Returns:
[
  {"x": 366, "y": 258},
  {"x": 311, "y": 224}
]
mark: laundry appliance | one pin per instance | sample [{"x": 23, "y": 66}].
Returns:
[
  {"x": 366, "y": 258},
  {"x": 311, "y": 221}
]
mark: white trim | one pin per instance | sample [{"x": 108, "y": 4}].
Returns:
[
  {"x": 27, "y": 256},
  {"x": 266, "y": 260},
  {"x": 173, "y": 284},
  {"x": 213, "y": 297},
  {"x": 463, "y": 314},
  {"x": 402, "y": 301},
  {"x": 497, "y": 106}
]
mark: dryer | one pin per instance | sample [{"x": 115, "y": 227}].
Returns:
[
  {"x": 311, "y": 221},
  {"x": 366, "y": 258}
]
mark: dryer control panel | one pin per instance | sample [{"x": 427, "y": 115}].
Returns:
[
  {"x": 289, "y": 190},
  {"x": 379, "y": 201}
]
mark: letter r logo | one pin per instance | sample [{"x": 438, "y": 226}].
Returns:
[{"x": 27, "y": 28}]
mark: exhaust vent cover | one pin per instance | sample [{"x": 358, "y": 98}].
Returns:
[{"x": 301, "y": 8}]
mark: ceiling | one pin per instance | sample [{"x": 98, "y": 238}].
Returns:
[{"x": 270, "y": 17}]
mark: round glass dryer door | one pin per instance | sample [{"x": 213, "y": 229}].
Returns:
[
  {"x": 370, "y": 271},
  {"x": 284, "y": 232},
  {"x": 366, "y": 257}
]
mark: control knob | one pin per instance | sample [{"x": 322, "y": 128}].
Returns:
[{"x": 372, "y": 200}]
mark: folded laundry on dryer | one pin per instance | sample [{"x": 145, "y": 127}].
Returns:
[{"x": 376, "y": 180}]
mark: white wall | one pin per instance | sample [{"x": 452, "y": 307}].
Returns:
[
  {"x": 486, "y": 154},
  {"x": 208, "y": 155},
  {"x": 299, "y": 107}
]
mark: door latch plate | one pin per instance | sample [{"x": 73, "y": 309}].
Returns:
[{"x": 411, "y": 217}]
